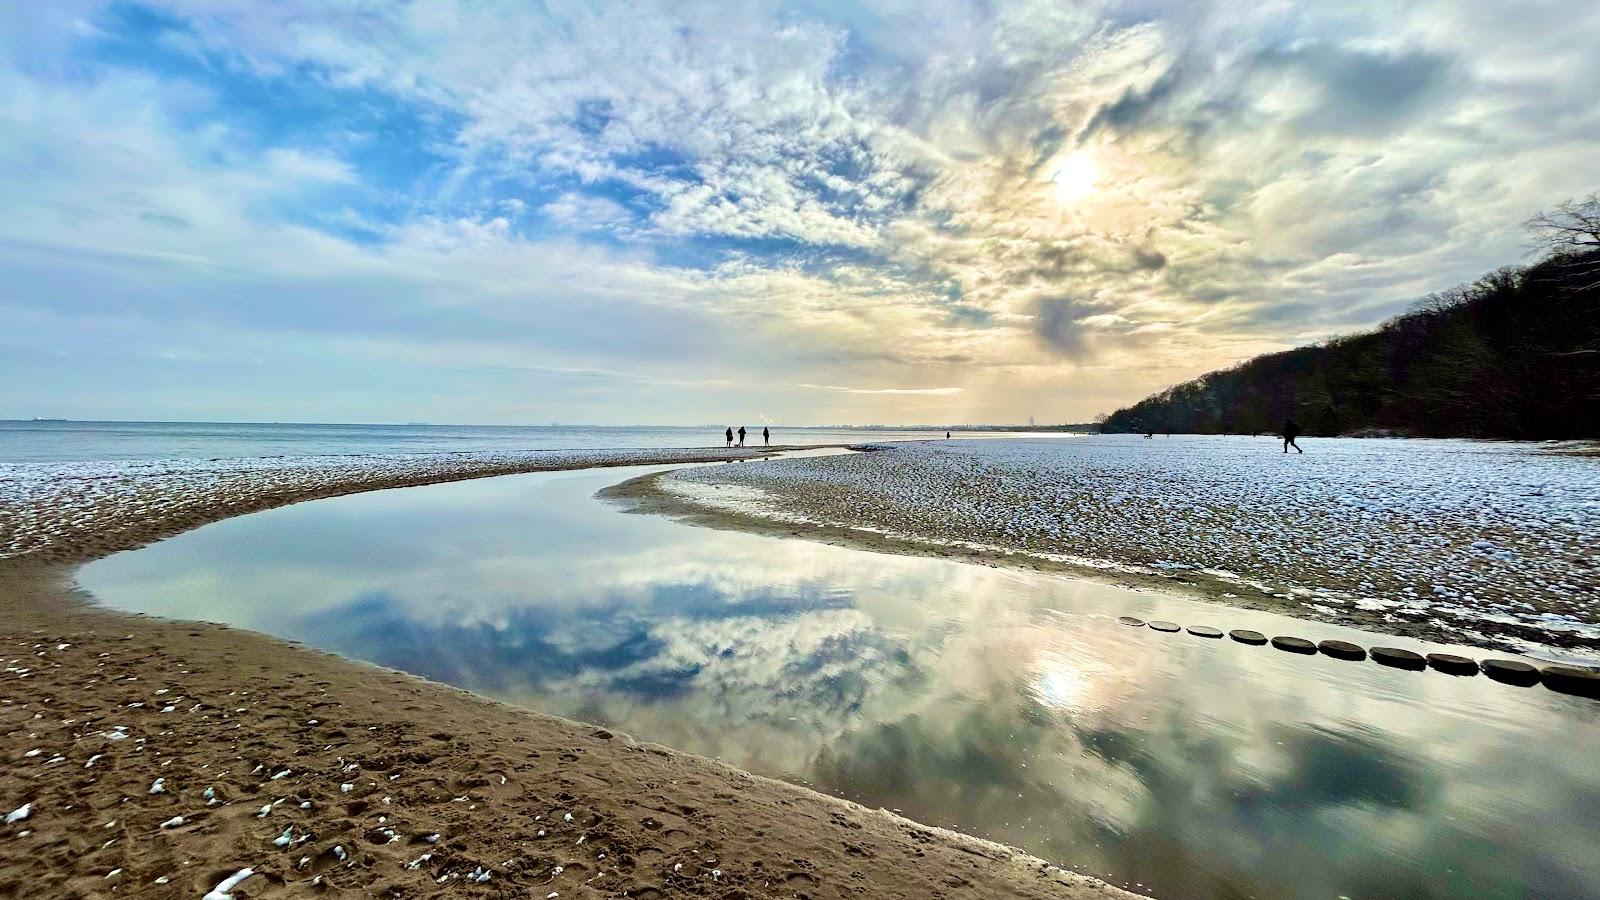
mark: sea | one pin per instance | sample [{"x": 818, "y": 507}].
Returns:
[{"x": 56, "y": 441}]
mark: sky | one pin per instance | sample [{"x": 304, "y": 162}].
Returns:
[{"x": 918, "y": 211}]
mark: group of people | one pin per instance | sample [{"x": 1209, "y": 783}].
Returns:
[{"x": 766, "y": 436}]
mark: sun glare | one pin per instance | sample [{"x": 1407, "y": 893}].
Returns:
[{"x": 1075, "y": 178}]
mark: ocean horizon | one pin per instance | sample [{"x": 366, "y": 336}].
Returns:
[{"x": 47, "y": 441}]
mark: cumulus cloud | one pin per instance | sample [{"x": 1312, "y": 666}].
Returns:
[{"x": 971, "y": 210}]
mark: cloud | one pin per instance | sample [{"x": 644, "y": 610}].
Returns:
[
  {"x": 852, "y": 196},
  {"x": 931, "y": 392}
]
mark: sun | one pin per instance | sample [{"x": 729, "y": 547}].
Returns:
[{"x": 1075, "y": 178}]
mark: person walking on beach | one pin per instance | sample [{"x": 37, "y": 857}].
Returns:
[
  {"x": 741, "y": 435},
  {"x": 766, "y": 437},
  {"x": 1290, "y": 432},
  {"x": 728, "y": 433}
]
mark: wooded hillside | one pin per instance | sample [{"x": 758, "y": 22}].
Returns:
[{"x": 1515, "y": 354}]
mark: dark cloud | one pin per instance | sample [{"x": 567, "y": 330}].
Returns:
[
  {"x": 1057, "y": 322},
  {"x": 1148, "y": 259},
  {"x": 1136, "y": 108},
  {"x": 1361, "y": 92}
]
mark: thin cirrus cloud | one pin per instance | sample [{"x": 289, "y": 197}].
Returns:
[{"x": 938, "y": 212}]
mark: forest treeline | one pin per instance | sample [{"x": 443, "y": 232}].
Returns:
[{"x": 1515, "y": 354}]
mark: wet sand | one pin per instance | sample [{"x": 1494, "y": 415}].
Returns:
[{"x": 148, "y": 757}]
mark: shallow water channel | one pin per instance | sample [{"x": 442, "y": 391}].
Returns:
[{"x": 1002, "y": 704}]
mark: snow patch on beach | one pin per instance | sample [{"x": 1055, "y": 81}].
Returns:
[
  {"x": 1464, "y": 534},
  {"x": 48, "y": 506}
]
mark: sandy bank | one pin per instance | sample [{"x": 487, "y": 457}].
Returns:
[{"x": 157, "y": 758}]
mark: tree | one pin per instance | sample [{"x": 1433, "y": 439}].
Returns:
[{"x": 1569, "y": 235}]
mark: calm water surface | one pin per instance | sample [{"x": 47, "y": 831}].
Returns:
[{"x": 998, "y": 703}]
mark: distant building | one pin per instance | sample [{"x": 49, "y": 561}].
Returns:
[{"x": 1030, "y": 421}]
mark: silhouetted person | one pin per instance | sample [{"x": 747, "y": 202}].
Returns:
[
  {"x": 947, "y": 435},
  {"x": 728, "y": 433},
  {"x": 766, "y": 437},
  {"x": 741, "y": 435},
  {"x": 1290, "y": 432}
]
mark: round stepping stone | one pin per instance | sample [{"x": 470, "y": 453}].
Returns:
[
  {"x": 1130, "y": 620},
  {"x": 1294, "y": 644},
  {"x": 1451, "y": 664},
  {"x": 1396, "y": 658},
  {"x": 1342, "y": 650},
  {"x": 1205, "y": 631},
  {"x": 1165, "y": 626},
  {"x": 1572, "y": 680},
  {"x": 1246, "y": 636},
  {"x": 1510, "y": 671}
]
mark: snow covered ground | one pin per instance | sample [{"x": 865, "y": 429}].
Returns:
[
  {"x": 1476, "y": 542},
  {"x": 107, "y": 505}
]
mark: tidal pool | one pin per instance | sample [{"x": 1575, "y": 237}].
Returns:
[{"x": 997, "y": 703}]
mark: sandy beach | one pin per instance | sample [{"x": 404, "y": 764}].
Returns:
[{"x": 149, "y": 757}]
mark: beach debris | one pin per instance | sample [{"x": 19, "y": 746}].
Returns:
[
  {"x": 479, "y": 875},
  {"x": 1451, "y": 664},
  {"x": 1342, "y": 650},
  {"x": 119, "y": 733},
  {"x": 1396, "y": 658},
  {"x": 92, "y": 760},
  {"x": 431, "y": 838},
  {"x": 220, "y": 892},
  {"x": 210, "y": 796},
  {"x": 1294, "y": 644},
  {"x": 173, "y": 822},
  {"x": 159, "y": 786},
  {"x": 1578, "y": 680},
  {"x": 281, "y": 775},
  {"x": 32, "y": 753},
  {"x": 265, "y": 811},
  {"x": 285, "y": 839},
  {"x": 419, "y": 861},
  {"x": 339, "y": 851},
  {"x": 1511, "y": 671},
  {"x": 20, "y": 813},
  {"x": 346, "y": 788}
]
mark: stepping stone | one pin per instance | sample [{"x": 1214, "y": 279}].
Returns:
[
  {"x": 1572, "y": 680},
  {"x": 1451, "y": 664},
  {"x": 1165, "y": 626},
  {"x": 1246, "y": 636},
  {"x": 1294, "y": 644},
  {"x": 1342, "y": 650},
  {"x": 1510, "y": 671},
  {"x": 1205, "y": 631},
  {"x": 1397, "y": 658},
  {"x": 1130, "y": 620}
]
